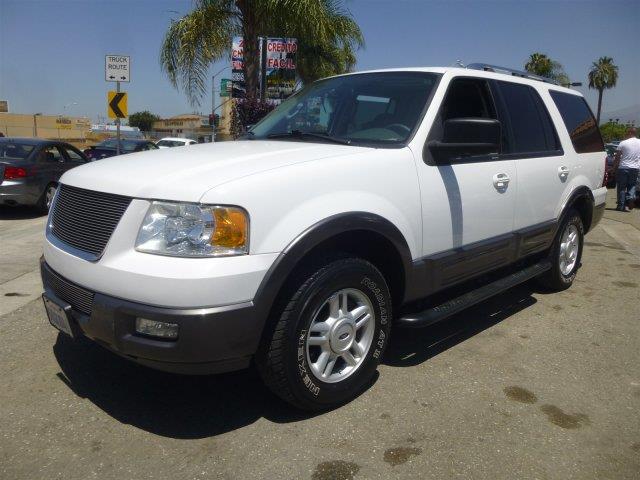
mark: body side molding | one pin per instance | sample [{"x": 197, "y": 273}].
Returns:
[{"x": 446, "y": 269}]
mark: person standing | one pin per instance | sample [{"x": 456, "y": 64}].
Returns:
[{"x": 626, "y": 167}]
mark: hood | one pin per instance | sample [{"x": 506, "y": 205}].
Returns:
[{"x": 185, "y": 174}]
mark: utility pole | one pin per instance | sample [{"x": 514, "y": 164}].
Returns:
[
  {"x": 213, "y": 107},
  {"x": 263, "y": 68},
  {"x": 213, "y": 101}
]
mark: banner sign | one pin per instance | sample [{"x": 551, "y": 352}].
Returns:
[
  {"x": 280, "y": 67},
  {"x": 63, "y": 123},
  {"x": 237, "y": 66}
]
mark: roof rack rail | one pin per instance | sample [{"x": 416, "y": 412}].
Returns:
[{"x": 509, "y": 71}]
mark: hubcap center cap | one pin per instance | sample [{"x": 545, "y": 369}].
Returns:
[{"x": 342, "y": 335}]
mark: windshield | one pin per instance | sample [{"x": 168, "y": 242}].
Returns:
[
  {"x": 126, "y": 145},
  {"x": 13, "y": 150},
  {"x": 371, "y": 108}
]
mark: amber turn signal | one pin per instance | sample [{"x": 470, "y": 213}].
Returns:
[{"x": 231, "y": 228}]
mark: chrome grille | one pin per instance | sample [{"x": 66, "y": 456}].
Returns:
[
  {"x": 76, "y": 296},
  {"x": 85, "y": 219}
]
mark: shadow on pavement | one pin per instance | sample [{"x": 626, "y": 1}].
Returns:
[
  {"x": 409, "y": 347},
  {"x": 190, "y": 407},
  {"x": 19, "y": 213},
  {"x": 175, "y": 406}
]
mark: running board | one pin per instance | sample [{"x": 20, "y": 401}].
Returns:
[{"x": 455, "y": 305}]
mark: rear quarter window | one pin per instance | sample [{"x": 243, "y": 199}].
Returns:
[{"x": 580, "y": 122}]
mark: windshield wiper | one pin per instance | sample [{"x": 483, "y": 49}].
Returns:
[{"x": 301, "y": 134}]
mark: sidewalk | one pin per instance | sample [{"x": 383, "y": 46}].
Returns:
[{"x": 631, "y": 218}]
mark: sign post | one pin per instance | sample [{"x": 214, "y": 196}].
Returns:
[
  {"x": 117, "y": 69},
  {"x": 118, "y": 124}
]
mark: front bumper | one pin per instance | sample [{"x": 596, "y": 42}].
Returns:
[{"x": 210, "y": 340}]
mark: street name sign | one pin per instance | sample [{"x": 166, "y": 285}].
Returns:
[
  {"x": 116, "y": 68},
  {"x": 117, "y": 104}
]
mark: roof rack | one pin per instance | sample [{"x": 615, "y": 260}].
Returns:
[{"x": 509, "y": 71}]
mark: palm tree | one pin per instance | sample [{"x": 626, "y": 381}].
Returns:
[
  {"x": 327, "y": 39},
  {"x": 603, "y": 75},
  {"x": 540, "y": 64}
]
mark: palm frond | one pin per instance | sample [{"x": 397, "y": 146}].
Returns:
[
  {"x": 327, "y": 34},
  {"x": 195, "y": 41}
]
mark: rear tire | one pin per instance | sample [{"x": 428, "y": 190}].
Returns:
[
  {"x": 565, "y": 254},
  {"x": 44, "y": 204},
  {"x": 327, "y": 342}
]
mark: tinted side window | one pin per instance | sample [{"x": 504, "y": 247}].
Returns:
[
  {"x": 579, "y": 121},
  {"x": 531, "y": 128},
  {"x": 468, "y": 98}
]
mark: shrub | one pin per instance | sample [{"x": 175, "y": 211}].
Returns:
[
  {"x": 613, "y": 131},
  {"x": 248, "y": 111}
]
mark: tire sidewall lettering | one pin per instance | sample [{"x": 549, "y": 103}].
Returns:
[{"x": 302, "y": 365}]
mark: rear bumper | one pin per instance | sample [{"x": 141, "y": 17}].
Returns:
[
  {"x": 19, "y": 192},
  {"x": 210, "y": 340}
]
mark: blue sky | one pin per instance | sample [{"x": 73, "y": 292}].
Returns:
[{"x": 52, "y": 51}]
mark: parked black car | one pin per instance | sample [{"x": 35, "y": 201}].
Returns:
[
  {"x": 31, "y": 167},
  {"x": 108, "y": 148}
]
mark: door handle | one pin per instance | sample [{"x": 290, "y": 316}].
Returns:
[
  {"x": 563, "y": 172},
  {"x": 501, "y": 181}
]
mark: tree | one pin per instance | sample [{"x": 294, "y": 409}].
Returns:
[
  {"x": 613, "y": 131},
  {"x": 540, "y": 64},
  {"x": 327, "y": 39},
  {"x": 603, "y": 75},
  {"x": 143, "y": 120}
]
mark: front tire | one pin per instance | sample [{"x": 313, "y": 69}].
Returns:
[
  {"x": 566, "y": 253},
  {"x": 330, "y": 337}
]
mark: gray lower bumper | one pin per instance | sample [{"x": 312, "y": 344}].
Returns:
[{"x": 210, "y": 340}]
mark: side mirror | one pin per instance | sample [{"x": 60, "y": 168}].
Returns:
[{"x": 464, "y": 137}]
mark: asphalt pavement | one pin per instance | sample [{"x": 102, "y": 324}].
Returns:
[{"x": 527, "y": 385}]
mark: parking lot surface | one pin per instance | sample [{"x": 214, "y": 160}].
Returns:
[{"x": 528, "y": 385}]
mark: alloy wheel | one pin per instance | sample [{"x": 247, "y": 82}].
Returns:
[{"x": 340, "y": 335}]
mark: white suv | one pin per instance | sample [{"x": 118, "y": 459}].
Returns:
[{"x": 340, "y": 214}]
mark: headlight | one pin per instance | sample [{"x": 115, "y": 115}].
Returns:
[{"x": 190, "y": 230}]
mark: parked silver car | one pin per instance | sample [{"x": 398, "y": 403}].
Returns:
[{"x": 31, "y": 167}]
